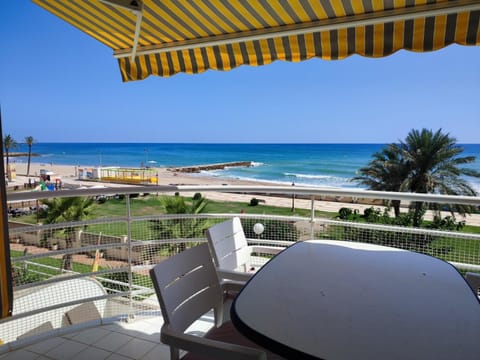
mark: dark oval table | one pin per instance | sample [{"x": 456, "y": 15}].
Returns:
[{"x": 325, "y": 299}]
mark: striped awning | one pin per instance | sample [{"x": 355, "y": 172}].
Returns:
[{"x": 165, "y": 37}]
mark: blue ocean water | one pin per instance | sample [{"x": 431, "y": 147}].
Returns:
[{"x": 306, "y": 164}]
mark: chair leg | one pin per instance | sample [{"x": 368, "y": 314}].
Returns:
[
  {"x": 218, "y": 314},
  {"x": 174, "y": 353}
]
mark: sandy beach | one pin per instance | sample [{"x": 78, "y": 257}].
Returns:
[{"x": 68, "y": 175}]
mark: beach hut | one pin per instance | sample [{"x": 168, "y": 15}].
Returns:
[{"x": 199, "y": 36}]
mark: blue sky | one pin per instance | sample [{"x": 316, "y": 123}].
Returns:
[{"x": 59, "y": 85}]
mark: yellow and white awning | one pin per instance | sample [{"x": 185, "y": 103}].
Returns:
[{"x": 165, "y": 37}]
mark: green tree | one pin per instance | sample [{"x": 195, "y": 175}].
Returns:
[
  {"x": 426, "y": 162},
  {"x": 29, "y": 140},
  {"x": 385, "y": 172},
  {"x": 435, "y": 166},
  {"x": 184, "y": 228},
  {"x": 67, "y": 210},
  {"x": 9, "y": 143}
]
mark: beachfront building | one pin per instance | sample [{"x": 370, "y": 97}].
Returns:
[{"x": 136, "y": 176}]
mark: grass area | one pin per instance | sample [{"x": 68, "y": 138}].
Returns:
[
  {"x": 459, "y": 250},
  {"x": 471, "y": 229},
  {"x": 231, "y": 207},
  {"x": 152, "y": 205}
]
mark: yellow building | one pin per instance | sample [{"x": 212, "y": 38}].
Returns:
[{"x": 143, "y": 176}]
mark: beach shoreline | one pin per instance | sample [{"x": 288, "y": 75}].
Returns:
[{"x": 166, "y": 175}]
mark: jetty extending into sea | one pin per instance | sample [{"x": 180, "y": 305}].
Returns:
[
  {"x": 208, "y": 167},
  {"x": 20, "y": 154}
]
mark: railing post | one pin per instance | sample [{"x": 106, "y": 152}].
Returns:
[
  {"x": 129, "y": 243},
  {"x": 78, "y": 238},
  {"x": 312, "y": 217}
]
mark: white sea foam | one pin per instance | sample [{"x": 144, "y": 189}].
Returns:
[
  {"x": 322, "y": 181},
  {"x": 214, "y": 173},
  {"x": 256, "y": 163}
]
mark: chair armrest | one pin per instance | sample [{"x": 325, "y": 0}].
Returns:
[
  {"x": 263, "y": 249},
  {"x": 232, "y": 286},
  {"x": 208, "y": 347},
  {"x": 473, "y": 279},
  {"x": 233, "y": 275}
]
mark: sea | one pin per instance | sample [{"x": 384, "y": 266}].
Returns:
[{"x": 326, "y": 165}]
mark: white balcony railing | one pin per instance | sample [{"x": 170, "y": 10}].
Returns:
[{"x": 116, "y": 285}]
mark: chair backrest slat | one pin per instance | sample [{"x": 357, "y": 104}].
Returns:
[
  {"x": 187, "y": 286},
  {"x": 229, "y": 245},
  {"x": 238, "y": 260}
]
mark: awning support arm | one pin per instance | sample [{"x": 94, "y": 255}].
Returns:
[
  {"x": 135, "y": 6},
  {"x": 138, "y": 26}
]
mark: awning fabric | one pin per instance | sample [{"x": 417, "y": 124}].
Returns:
[{"x": 163, "y": 37}]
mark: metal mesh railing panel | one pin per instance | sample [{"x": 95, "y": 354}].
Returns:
[
  {"x": 461, "y": 249},
  {"x": 116, "y": 254}
]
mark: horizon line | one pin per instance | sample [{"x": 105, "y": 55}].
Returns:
[{"x": 226, "y": 143}]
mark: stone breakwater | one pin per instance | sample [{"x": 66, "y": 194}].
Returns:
[
  {"x": 20, "y": 154},
  {"x": 208, "y": 167}
]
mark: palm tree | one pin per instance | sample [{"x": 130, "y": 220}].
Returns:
[
  {"x": 385, "y": 172},
  {"x": 181, "y": 228},
  {"x": 9, "y": 143},
  {"x": 67, "y": 210},
  {"x": 426, "y": 162},
  {"x": 434, "y": 164},
  {"x": 29, "y": 140}
]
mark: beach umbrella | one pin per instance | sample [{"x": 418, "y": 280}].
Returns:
[{"x": 166, "y": 37}]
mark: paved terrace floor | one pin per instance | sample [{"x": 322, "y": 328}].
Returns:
[{"x": 137, "y": 339}]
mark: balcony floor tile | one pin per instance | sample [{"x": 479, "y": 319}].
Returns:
[{"x": 137, "y": 339}]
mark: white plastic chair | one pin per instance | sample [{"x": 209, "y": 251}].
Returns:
[
  {"x": 187, "y": 287},
  {"x": 231, "y": 253},
  {"x": 473, "y": 279}
]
